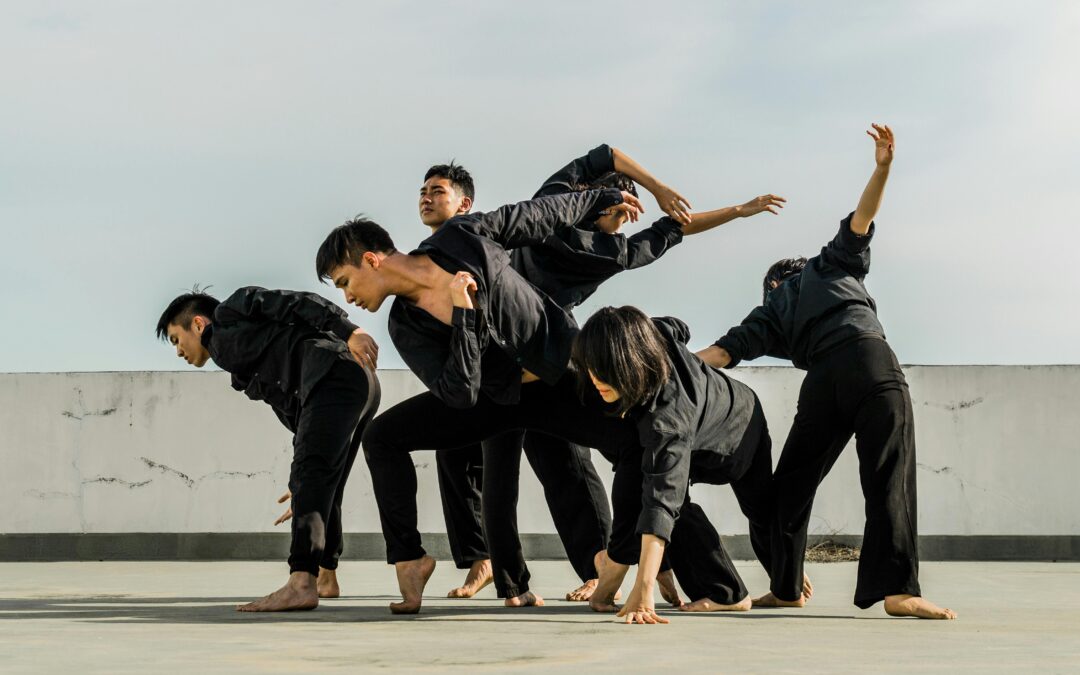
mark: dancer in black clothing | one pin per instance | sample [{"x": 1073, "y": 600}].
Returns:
[
  {"x": 299, "y": 353},
  {"x": 818, "y": 313},
  {"x": 695, "y": 425},
  {"x": 464, "y": 321},
  {"x": 569, "y": 266}
]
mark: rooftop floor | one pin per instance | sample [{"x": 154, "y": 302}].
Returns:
[{"x": 173, "y": 616}]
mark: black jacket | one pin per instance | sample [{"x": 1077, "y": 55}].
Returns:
[
  {"x": 277, "y": 345},
  {"x": 570, "y": 264},
  {"x": 821, "y": 308},
  {"x": 526, "y": 327},
  {"x": 691, "y": 431}
]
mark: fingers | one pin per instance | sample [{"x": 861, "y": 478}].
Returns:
[
  {"x": 284, "y": 517},
  {"x": 285, "y": 497},
  {"x": 633, "y": 201}
]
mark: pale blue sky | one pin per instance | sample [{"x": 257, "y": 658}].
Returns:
[{"x": 147, "y": 146}]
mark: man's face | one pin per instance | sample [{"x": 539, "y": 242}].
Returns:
[
  {"x": 188, "y": 341},
  {"x": 439, "y": 202},
  {"x": 361, "y": 284},
  {"x": 611, "y": 221}
]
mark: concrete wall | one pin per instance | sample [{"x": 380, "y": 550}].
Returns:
[{"x": 182, "y": 452}]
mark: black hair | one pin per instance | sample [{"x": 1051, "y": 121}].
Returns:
[
  {"x": 611, "y": 179},
  {"x": 780, "y": 270},
  {"x": 349, "y": 242},
  {"x": 185, "y": 308},
  {"x": 623, "y": 348},
  {"x": 457, "y": 175}
]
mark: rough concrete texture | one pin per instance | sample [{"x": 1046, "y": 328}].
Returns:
[
  {"x": 113, "y": 453},
  {"x": 171, "y": 617}
]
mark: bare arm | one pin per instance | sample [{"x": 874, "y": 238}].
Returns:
[
  {"x": 870, "y": 202},
  {"x": 707, "y": 220},
  {"x": 714, "y": 356},
  {"x": 670, "y": 201},
  {"x": 640, "y": 607}
]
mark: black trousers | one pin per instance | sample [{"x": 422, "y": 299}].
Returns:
[
  {"x": 575, "y": 497},
  {"x": 856, "y": 389},
  {"x": 461, "y": 480},
  {"x": 424, "y": 422},
  {"x": 328, "y": 433},
  {"x": 695, "y": 552}
]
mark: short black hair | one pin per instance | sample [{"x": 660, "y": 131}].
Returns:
[
  {"x": 611, "y": 179},
  {"x": 457, "y": 175},
  {"x": 185, "y": 308},
  {"x": 780, "y": 270},
  {"x": 622, "y": 347},
  {"x": 349, "y": 242}
]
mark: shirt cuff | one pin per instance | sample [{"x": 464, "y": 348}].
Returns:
[
  {"x": 656, "y": 521},
  {"x": 725, "y": 344},
  {"x": 345, "y": 329},
  {"x": 855, "y": 243},
  {"x": 671, "y": 228},
  {"x": 463, "y": 318}
]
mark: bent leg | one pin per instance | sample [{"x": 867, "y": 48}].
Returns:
[{"x": 702, "y": 565}]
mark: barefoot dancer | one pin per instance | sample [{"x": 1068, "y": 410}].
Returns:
[
  {"x": 818, "y": 313},
  {"x": 569, "y": 267},
  {"x": 695, "y": 425},
  {"x": 299, "y": 353}
]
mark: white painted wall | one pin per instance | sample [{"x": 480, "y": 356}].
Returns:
[{"x": 998, "y": 453}]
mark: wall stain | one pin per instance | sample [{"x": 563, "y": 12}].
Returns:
[
  {"x": 169, "y": 470},
  {"x": 958, "y": 405},
  {"x": 117, "y": 481},
  {"x": 192, "y": 482}
]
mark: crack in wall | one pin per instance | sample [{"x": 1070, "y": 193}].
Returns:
[
  {"x": 957, "y": 406},
  {"x": 112, "y": 480},
  {"x": 169, "y": 470},
  {"x": 55, "y": 494},
  {"x": 192, "y": 482},
  {"x": 964, "y": 483}
]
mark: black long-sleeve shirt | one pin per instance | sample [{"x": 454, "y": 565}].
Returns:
[
  {"x": 691, "y": 430},
  {"x": 814, "y": 311},
  {"x": 277, "y": 345},
  {"x": 529, "y": 330},
  {"x": 570, "y": 264}
]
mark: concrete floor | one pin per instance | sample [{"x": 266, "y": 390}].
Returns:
[{"x": 162, "y": 617}]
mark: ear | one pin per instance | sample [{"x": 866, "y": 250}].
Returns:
[
  {"x": 372, "y": 259},
  {"x": 199, "y": 323},
  {"x": 466, "y": 205}
]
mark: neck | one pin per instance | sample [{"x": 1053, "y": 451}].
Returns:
[{"x": 410, "y": 275}]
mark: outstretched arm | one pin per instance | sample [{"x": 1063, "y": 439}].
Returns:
[
  {"x": 870, "y": 202},
  {"x": 707, "y": 220},
  {"x": 670, "y": 201},
  {"x": 640, "y": 606}
]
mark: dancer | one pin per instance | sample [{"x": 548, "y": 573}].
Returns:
[
  {"x": 694, "y": 424},
  {"x": 300, "y": 354},
  {"x": 818, "y": 313}
]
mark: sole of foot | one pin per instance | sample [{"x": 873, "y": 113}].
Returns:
[
  {"x": 707, "y": 605},
  {"x": 770, "y": 600},
  {"x": 526, "y": 599},
  {"x": 412, "y": 576},
  {"x": 479, "y": 576},
  {"x": 914, "y": 606}
]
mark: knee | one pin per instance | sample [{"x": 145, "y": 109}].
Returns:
[{"x": 377, "y": 439}]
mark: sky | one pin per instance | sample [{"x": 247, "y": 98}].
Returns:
[{"x": 145, "y": 147}]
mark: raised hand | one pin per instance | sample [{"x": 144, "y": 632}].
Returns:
[
  {"x": 756, "y": 205},
  {"x": 672, "y": 203},
  {"x": 363, "y": 348},
  {"x": 461, "y": 288},
  {"x": 884, "y": 143}
]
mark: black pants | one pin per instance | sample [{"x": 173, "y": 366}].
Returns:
[
  {"x": 695, "y": 552},
  {"x": 856, "y": 389},
  {"x": 424, "y": 422},
  {"x": 575, "y": 497},
  {"x": 328, "y": 432},
  {"x": 461, "y": 479}
]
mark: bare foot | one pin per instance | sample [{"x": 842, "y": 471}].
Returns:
[
  {"x": 666, "y": 581},
  {"x": 583, "y": 592},
  {"x": 479, "y": 576},
  {"x": 526, "y": 599},
  {"x": 412, "y": 576},
  {"x": 327, "y": 584},
  {"x": 707, "y": 605},
  {"x": 298, "y": 593},
  {"x": 607, "y": 586},
  {"x": 913, "y": 605},
  {"x": 807, "y": 588},
  {"x": 770, "y": 600}
]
